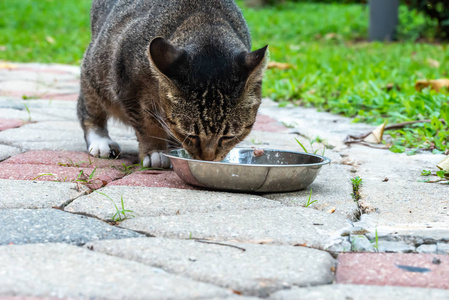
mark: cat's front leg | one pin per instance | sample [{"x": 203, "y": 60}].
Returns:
[
  {"x": 93, "y": 119},
  {"x": 152, "y": 142}
]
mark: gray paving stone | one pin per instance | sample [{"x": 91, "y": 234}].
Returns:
[
  {"x": 427, "y": 249},
  {"x": 155, "y": 201},
  {"x": 312, "y": 123},
  {"x": 8, "y": 151},
  {"x": 35, "y": 194},
  {"x": 55, "y": 136},
  {"x": 360, "y": 243},
  {"x": 286, "y": 225},
  {"x": 332, "y": 189},
  {"x": 395, "y": 247},
  {"x": 443, "y": 248},
  {"x": 401, "y": 200},
  {"x": 64, "y": 271},
  {"x": 257, "y": 270},
  {"x": 30, "y": 226},
  {"x": 360, "y": 292}
]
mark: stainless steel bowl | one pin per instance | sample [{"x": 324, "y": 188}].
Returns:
[{"x": 241, "y": 170}]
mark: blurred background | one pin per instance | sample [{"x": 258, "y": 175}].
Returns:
[{"x": 323, "y": 54}]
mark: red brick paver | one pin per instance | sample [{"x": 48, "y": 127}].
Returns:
[
  {"x": 152, "y": 178},
  {"x": 266, "y": 123},
  {"x": 10, "y": 123},
  {"x": 396, "y": 269}
]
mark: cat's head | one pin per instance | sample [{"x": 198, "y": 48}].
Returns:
[{"x": 210, "y": 97}]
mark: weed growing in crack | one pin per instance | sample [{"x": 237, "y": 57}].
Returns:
[
  {"x": 308, "y": 203},
  {"x": 127, "y": 170},
  {"x": 356, "y": 183},
  {"x": 120, "y": 214},
  {"x": 376, "y": 242},
  {"x": 316, "y": 140},
  {"x": 28, "y": 111},
  {"x": 71, "y": 163}
]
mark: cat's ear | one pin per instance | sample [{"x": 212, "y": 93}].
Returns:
[
  {"x": 255, "y": 63},
  {"x": 255, "y": 59},
  {"x": 165, "y": 57}
]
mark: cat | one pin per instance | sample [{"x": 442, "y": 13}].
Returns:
[{"x": 176, "y": 71}]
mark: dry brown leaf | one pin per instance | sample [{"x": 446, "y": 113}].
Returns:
[
  {"x": 376, "y": 136},
  {"x": 332, "y": 35},
  {"x": 279, "y": 65},
  {"x": 433, "y": 63},
  {"x": 444, "y": 164},
  {"x": 436, "y": 84}
]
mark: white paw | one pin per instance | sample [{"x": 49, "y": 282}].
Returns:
[
  {"x": 102, "y": 147},
  {"x": 156, "y": 160}
]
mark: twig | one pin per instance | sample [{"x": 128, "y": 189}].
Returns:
[
  {"x": 221, "y": 244},
  {"x": 404, "y": 124}
]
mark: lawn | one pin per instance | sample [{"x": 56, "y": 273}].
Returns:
[{"x": 334, "y": 68}]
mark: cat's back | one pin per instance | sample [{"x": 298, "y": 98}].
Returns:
[{"x": 160, "y": 17}]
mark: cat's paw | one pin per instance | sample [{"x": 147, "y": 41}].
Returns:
[
  {"x": 103, "y": 147},
  {"x": 156, "y": 160}
]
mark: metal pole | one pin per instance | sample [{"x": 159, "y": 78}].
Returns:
[{"x": 383, "y": 19}]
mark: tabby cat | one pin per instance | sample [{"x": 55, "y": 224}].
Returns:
[{"x": 174, "y": 70}]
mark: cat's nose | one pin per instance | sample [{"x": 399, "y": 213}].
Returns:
[{"x": 208, "y": 154}]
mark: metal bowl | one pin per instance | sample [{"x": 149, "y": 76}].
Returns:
[{"x": 242, "y": 170}]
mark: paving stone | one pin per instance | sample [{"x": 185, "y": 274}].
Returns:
[
  {"x": 387, "y": 246},
  {"x": 443, "y": 248},
  {"x": 79, "y": 159},
  {"x": 312, "y": 123},
  {"x": 401, "y": 200},
  {"x": 331, "y": 189},
  {"x": 396, "y": 269},
  {"x": 412, "y": 234},
  {"x": 30, "y": 226},
  {"x": 65, "y": 136},
  {"x": 10, "y": 123},
  {"x": 360, "y": 243},
  {"x": 284, "y": 225},
  {"x": 7, "y": 151},
  {"x": 249, "y": 269},
  {"x": 65, "y": 271},
  {"x": 151, "y": 178},
  {"x": 360, "y": 292},
  {"x": 266, "y": 123},
  {"x": 153, "y": 202},
  {"x": 99, "y": 178},
  {"x": 427, "y": 249},
  {"x": 33, "y": 194}
]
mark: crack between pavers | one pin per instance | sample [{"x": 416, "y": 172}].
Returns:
[{"x": 261, "y": 292}]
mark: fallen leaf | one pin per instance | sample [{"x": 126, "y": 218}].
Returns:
[
  {"x": 279, "y": 65},
  {"x": 5, "y": 65},
  {"x": 433, "y": 63},
  {"x": 444, "y": 164},
  {"x": 436, "y": 84},
  {"x": 50, "y": 39},
  {"x": 376, "y": 136},
  {"x": 332, "y": 35}
]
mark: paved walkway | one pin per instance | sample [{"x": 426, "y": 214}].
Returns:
[{"x": 59, "y": 239}]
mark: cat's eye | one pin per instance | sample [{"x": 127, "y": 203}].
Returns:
[
  {"x": 225, "y": 139},
  {"x": 194, "y": 139}
]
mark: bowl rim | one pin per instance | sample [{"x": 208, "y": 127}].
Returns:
[{"x": 325, "y": 161}]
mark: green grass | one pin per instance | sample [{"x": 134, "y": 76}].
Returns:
[
  {"x": 44, "y": 30},
  {"x": 335, "y": 70}
]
